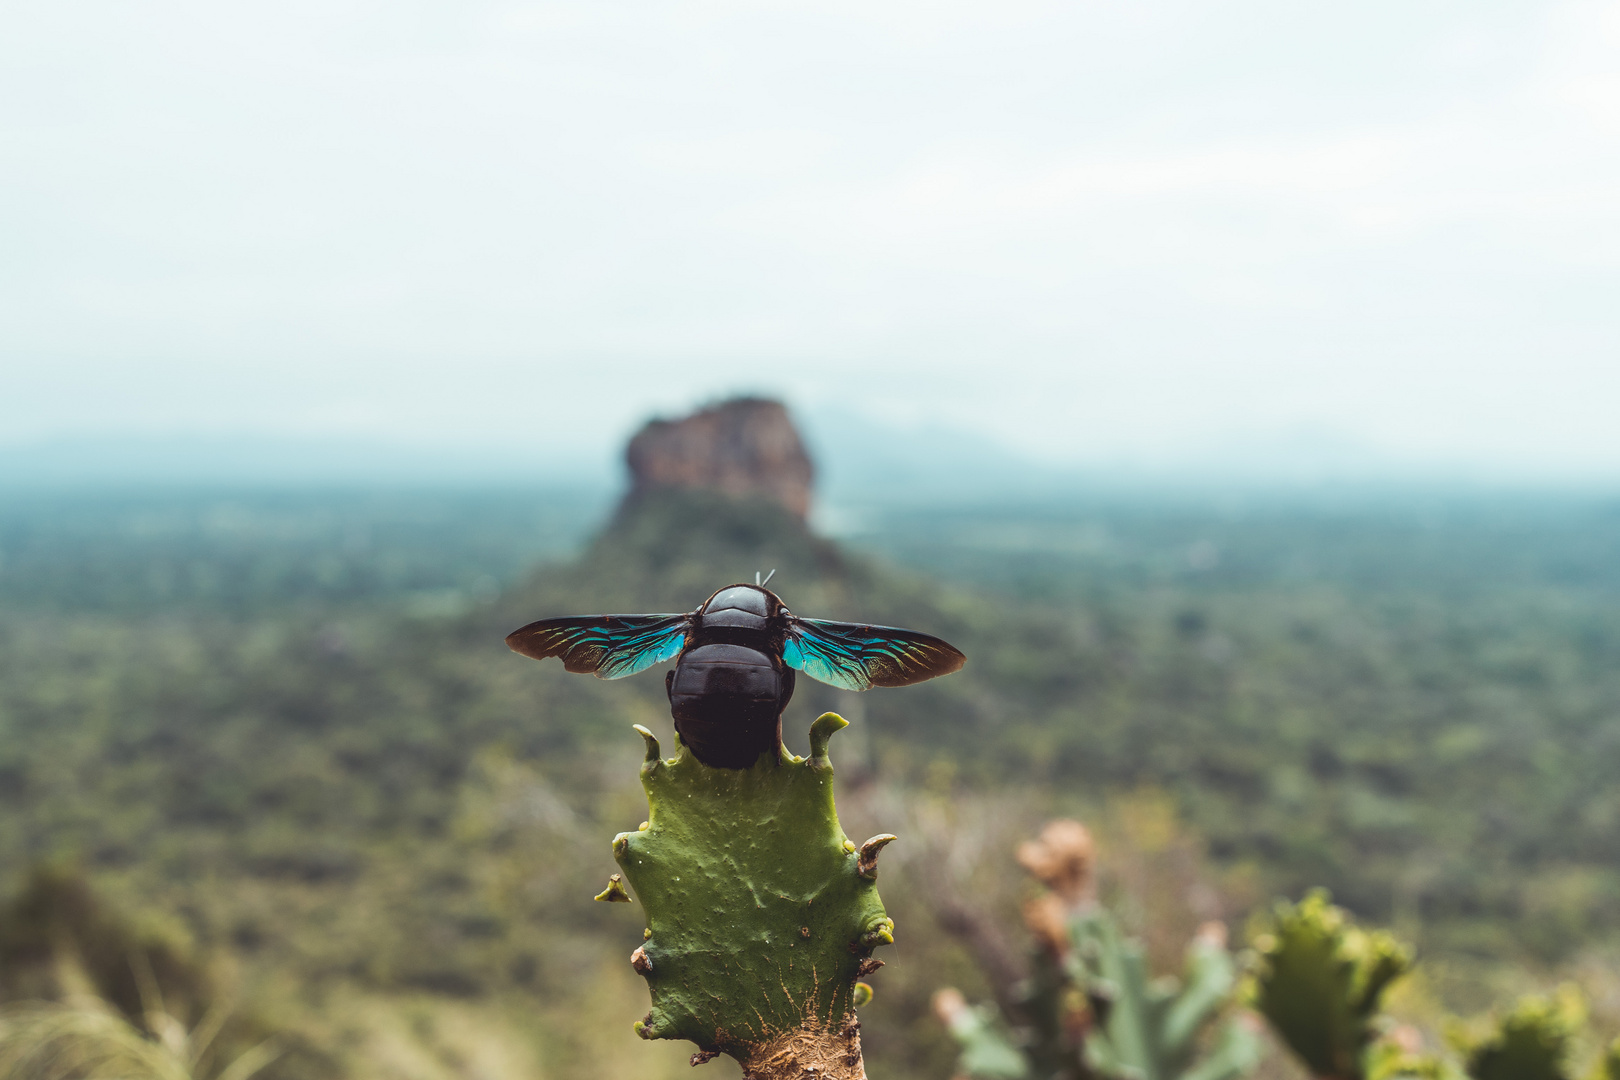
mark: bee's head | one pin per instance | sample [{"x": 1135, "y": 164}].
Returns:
[{"x": 749, "y": 606}]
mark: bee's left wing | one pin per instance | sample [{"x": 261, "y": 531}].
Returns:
[
  {"x": 858, "y": 657},
  {"x": 607, "y": 646}
]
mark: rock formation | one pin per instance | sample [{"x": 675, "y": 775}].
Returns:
[{"x": 742, "y": 447}]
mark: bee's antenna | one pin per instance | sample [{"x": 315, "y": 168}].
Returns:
[
  {"x": 756, "y": 578},
  {"x": 768, "y": 577}
]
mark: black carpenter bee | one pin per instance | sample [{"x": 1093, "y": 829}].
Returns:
[{"x": 735, "y": 658}]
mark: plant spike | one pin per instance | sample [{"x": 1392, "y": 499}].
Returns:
[
  {"x": 614, "y": 893},
  {"x": 761, "y": 913}
]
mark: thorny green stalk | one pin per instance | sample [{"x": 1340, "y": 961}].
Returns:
[{"x": 761, "y": 914}]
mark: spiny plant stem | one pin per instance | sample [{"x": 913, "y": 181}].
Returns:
[{"x": 761, "y": 914}]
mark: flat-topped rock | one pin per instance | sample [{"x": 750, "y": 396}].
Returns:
[{"x": 742, "y": 447}]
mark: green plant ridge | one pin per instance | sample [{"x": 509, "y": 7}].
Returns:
[{"x": 761, "y": 913}]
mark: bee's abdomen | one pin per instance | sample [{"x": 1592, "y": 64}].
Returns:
[{"x": 727, "y": 702}]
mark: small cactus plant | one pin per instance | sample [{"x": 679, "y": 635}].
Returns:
[
  {"x": 1532, "y": 1042},
  {"x": 761, "y": 914},
  {"x": 1149, "y": 1026},
  {"x": 1320, "y": 982},
  {"x": 1090, "y": 1009},
  {"x": 988, "y": 1050}
]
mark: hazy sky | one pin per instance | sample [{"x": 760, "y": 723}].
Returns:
[{"x": 1095, "y": 230}]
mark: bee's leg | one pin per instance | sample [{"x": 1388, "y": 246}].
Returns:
[{"x": 785, "y": 683}]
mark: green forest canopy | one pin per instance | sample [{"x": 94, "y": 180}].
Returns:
[{"x": 285, "y": 720}]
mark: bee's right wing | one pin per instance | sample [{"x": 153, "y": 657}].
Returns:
[
  {"x": 856, "y": 656},
  {"x": 607, "y": 646}
]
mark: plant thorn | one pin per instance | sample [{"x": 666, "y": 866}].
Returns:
[
  {"x": 652, "y": 743},
  {"x": 821, "y": 731},
  {"x": 614, "y": 893},
  {"x": 866, "y": 866},
  {"x": 880, "y": 932}
]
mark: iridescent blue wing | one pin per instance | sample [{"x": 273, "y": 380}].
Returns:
[
  {"x": 607, "y": 646},
  {"x": 858, "y": 657}
]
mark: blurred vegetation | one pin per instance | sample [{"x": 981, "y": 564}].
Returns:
[
  {"x": 279, "y": 736},
  {"x": 1087, "y": 1006},
  {"x": 1321, "y": 983}
]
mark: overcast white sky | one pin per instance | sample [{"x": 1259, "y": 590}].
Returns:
[{"x": 1123, "y": 229}]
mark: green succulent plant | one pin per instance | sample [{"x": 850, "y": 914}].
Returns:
[
  {"x": 1090, "y": 1009},
  {"x": 1149, "y": 1027},
  {"x": 1320, "y": 983},
  {"x": 761, "y": 914},
  {"x": 987, "y": 1050},
  {"x": 1533, "y": 1041}
]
